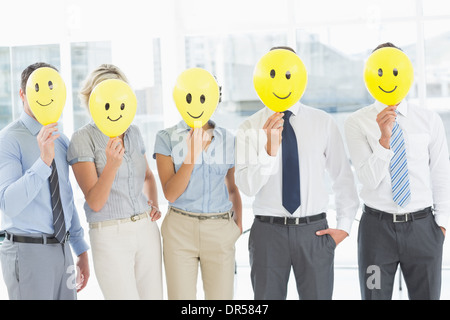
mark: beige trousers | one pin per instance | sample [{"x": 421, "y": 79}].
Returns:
[
  {"x": 188, "y": 241},
  {"x": 127, "y": 260}
]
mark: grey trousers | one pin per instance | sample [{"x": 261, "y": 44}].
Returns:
[
  {"x": 275, "y": 249},
  {"x": 38, "y": 271},
  {"x": 414, "y": 245}
]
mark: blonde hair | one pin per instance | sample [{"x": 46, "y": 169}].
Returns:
[{"x": 101, "y": 73}]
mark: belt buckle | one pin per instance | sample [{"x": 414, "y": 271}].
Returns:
[
  {"x": 395, "y": 220},
  {"x": 135, "y": 217}
]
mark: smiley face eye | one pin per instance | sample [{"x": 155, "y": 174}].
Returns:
[
  {"x": 36, "y": 87},
  {"x": 202, "y": 99},
  {"x": 107, "y": 106},
  {"x": 50, "y": 85},
  {"x": 395, "y": 72},
  {"x": 189, "y": 98},
  {"x": 272, "y": 73},
  {"x": 122, "y": 106},
  {"x": 380, "y": 72},
  {"x": 288, "y": 75}
]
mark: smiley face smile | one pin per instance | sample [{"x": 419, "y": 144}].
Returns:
[
  {"x": 387, "y": 91},
  {"x": 115, "y": 119},
  {"x": 282, "y": 98},
  {"x": 44, "y": 105},
  {"x": 194, "y": 116}
]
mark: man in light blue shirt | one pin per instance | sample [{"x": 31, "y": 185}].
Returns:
[{"x": 34, "y": 264}]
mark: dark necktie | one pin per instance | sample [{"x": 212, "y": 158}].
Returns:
[
  {"x": 291, "y": 169},
  {"x": 58, "y": 213}
]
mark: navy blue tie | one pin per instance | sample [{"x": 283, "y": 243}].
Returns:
[{"x": 291, "y": 169}]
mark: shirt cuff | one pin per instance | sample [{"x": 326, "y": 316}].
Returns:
[
  {"x": 266, "y": 161},
  {"x": 79, "y": 245},
  {"x": 344, "y": 224},
  {"x": 41, "y": 169},
  {"x": 441, "y": 220}
]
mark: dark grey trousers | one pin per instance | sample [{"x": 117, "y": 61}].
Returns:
[
  {"x": 275, "y": 249},
  {"x": 416, "y": 245},
  {"x": 38, "y": 271}
]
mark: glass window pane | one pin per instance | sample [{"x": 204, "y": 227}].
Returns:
[
  {"x": 437, "y": 60},
  {"x": 435, "y": 7},
  {"x": 335, "y": 56},
  {"x": 86, "y": 56},
  {"x": 366, "y": 11},
  {"x": 5, "y": 88}
]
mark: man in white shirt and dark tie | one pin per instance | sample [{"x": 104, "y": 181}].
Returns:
[
  {"x": 290, "y": 229},
  {"x": 401, "y": 158}
]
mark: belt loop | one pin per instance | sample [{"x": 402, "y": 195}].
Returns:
[
  {"x": 411, "y": 216},
  {"x": 44, "y": 239},
  {"x": 307, "y": 220},
  {"x": 380, "y": 216}
]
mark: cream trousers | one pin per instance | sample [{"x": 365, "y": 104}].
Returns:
[
  {"x": 127, "y": 259},
  {"x": 188, "y": 241}
]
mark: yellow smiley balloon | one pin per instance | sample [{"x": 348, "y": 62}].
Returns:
[
  {"x": 280, "y": 79},
  {"x": 388, "y": 75},
  {"x": 196, "y": 95},
  {"x": 112, "y": 105},
  {"x": 46, "y": 95}
]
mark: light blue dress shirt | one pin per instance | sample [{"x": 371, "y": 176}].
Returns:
[
  {"x": 25, "y": 200},
  {"x": 206, "y": 191}
]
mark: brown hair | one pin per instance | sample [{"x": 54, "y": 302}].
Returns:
[
  {"x": 284, "y": 48},
  {"x": 29, "y": 70},
  {"x": 386, "y": 45}
]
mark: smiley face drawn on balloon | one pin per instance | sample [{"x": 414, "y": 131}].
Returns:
[
  {"x": 46, "y": 94},
  {"x": 280, "y": 79},
  {"x": 388, "y": 75},
  {"x": 196, "y": 95},
  {"x": 112, "y": 105}
]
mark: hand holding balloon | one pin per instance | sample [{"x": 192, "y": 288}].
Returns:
[
  {"x": 114, "y": 152},
  {"x": 112, "y": 105}
]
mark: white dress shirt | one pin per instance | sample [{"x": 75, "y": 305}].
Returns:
[
  {"x": 320, "y": 149},
  {"x": 426, "y": 154}
]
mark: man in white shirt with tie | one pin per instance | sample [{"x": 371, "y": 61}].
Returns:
[
  {"x": 297, "y": 235},
  {"x": 398, "y": 225}
]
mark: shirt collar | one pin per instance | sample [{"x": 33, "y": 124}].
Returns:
[
  {"x": 402, "y": 108},
  {"x": 31, "y": 124},
  {"x": 295, "y": 109},
  {"x": 182, "y": 127}
]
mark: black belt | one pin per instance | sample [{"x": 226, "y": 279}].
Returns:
[
  {"x": 292, "y": 221},
  {"x": 37, "y": 240},
  {"x": 398, "y": 217}
]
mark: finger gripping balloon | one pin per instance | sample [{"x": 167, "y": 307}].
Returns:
[
  {"x": 388, "y": 75},
  {"x": 112, "y": 105},
  {"x": 196, "y": 95},
  {"x": 280, "y": 79},
  {"x": 46, "y": 95}
]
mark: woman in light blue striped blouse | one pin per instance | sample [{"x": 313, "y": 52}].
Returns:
[
  {"x": 121, "y": 204},
  {"x": 196, "y": 169}
]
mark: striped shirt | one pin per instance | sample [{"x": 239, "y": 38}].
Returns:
[{"x": 126, "y": 198}]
